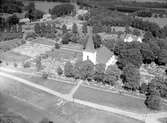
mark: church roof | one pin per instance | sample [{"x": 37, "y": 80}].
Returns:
[
  {"x": 90, "y": 44},
  {"x": 103, "y": 54}
]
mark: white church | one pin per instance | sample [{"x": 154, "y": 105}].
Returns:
[{"x": 101, "y": 55}]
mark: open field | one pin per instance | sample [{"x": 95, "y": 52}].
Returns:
[
  {"x": 10, "y": 44},
  {"x": 51, "y": 84},
  {"x": 44, "y": 41},
  {"x": 11, "y": 56},
  {"x": 161, "y": 1},
  {"x": 9, "y": 36},
  {"x": 32, "y": 49},
  {"x": 160, "y": 21},
  {"x": 110, "y": 99},
  {"x": 43, "y": 5},
  {"x": 65, "y": 113}
]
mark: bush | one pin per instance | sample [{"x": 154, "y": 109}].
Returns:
[
  {"x": 153, "y": 100},
  {"x": 59, "y": 71},
  {"x": 26, "y": 65},
  {"x": 57, "y": 46},
  {"x": 45, "y": 75},
  {"x": 45, "y": 120}
]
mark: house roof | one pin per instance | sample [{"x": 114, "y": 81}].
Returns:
[
  {"x": 103, "y": 54},
  {"x": 90, "y": 44}
]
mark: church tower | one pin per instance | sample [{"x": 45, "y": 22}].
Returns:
[{"x": 89, "y": 53}]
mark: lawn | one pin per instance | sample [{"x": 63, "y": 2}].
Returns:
[
  {"x": 51, "y": 84},
  {"x": 10, "y": 44},
  {"x": 81, "y": 114},
  {"x": 4, "y": 36},
  {"x": 32, "y": 49},
  {"x": 44, "y": 41},
  {"x": 111, "y": 99},
  {"x": 11, "y": 56},
  {"x": 68, "y": 113}
]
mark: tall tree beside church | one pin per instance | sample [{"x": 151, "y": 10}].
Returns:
[
  {"x": 37, "y": 28},
  {"x": 64, "y": 29},
  {"x": 74, "y": 28},
  {"x": 97, "y": 41},
  {"x": 131, "y": 77}
]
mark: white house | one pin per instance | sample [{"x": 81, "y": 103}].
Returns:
[
  {"x": 46, "y": 17},
  {"x": 24, "y": 20},
  {"x": 101, "y": 55},
  {"x": 131, "y": 38}
]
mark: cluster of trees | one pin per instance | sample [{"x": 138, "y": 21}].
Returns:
[
  {"x": 103, "y": 17},
  {"x": 144, "y": 13},
  {"x": 9, "y": 22},
  {"x": 11, "y": 6},
  {"x": 62, "y": 9},
  {"x": 86, "y": 70},
  {"x": 154, "y": 90},
  {"x": 32, "y": 12},
  {"x": 45, "y": 30}
]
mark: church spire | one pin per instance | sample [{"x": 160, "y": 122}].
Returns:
[{"x": 90, "y": 44}]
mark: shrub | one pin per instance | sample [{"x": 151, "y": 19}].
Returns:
[
  {"x": 153, "y": 100},
  {"x": 59, "y": 71},
  {"x": 45, "y": 120},
  {"x": 57, "y": 46},
  {"x": 26, "y": 65},
  {"x": 45, "y": 75}
]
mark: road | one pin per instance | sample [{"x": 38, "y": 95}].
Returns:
[{"x": 151, "y": 118}]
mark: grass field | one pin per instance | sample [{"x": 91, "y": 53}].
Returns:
[
  {"x": 146, "y": 0},
  {"x": 52, "y": 84},
  {"x": 10, "y": 44},
  {"x": 65, "y": 113},
  {"x": 160, "y": 21},
  {"x": 43, "y": 5},
  {"x": 111, "y": 99}
]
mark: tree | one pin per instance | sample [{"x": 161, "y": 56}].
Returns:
[
  {"x": 59, "y": 71},
  {"x": 97, "y": 41},
  {"x": 162, "y": 58},
  {"x": 136, "y": 32},
  {"x": 37, "y": 28},
  {"x": 153, "y": 100},
  {"x": 143, "y": 88},
  {"x": 112, "y": 74},
  {"x": 57, "y": 46},
  {"x": 84, "y": 28},
  {"x": 62, "y": 9},
  {"x": 64, "y": 29},
  {"x": 38, "y": 63},
  {"x": 68, "y": 69},
  {"x": 66, "y": 38},
  {"x": 108, "y": 29},
  {"x": 84, "y": 70},
  {"x": 147, "y": 54},
  {"x": 74, "y": 28},
  {"x": 160, "y": 84},
  {"x": 12, "y": 20},
  {"x": 131, "y": 77},
  {"x": 45, "y": 75},
  {"x": 99, "y": 72},
  {"x": 20, "y": 28}
]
